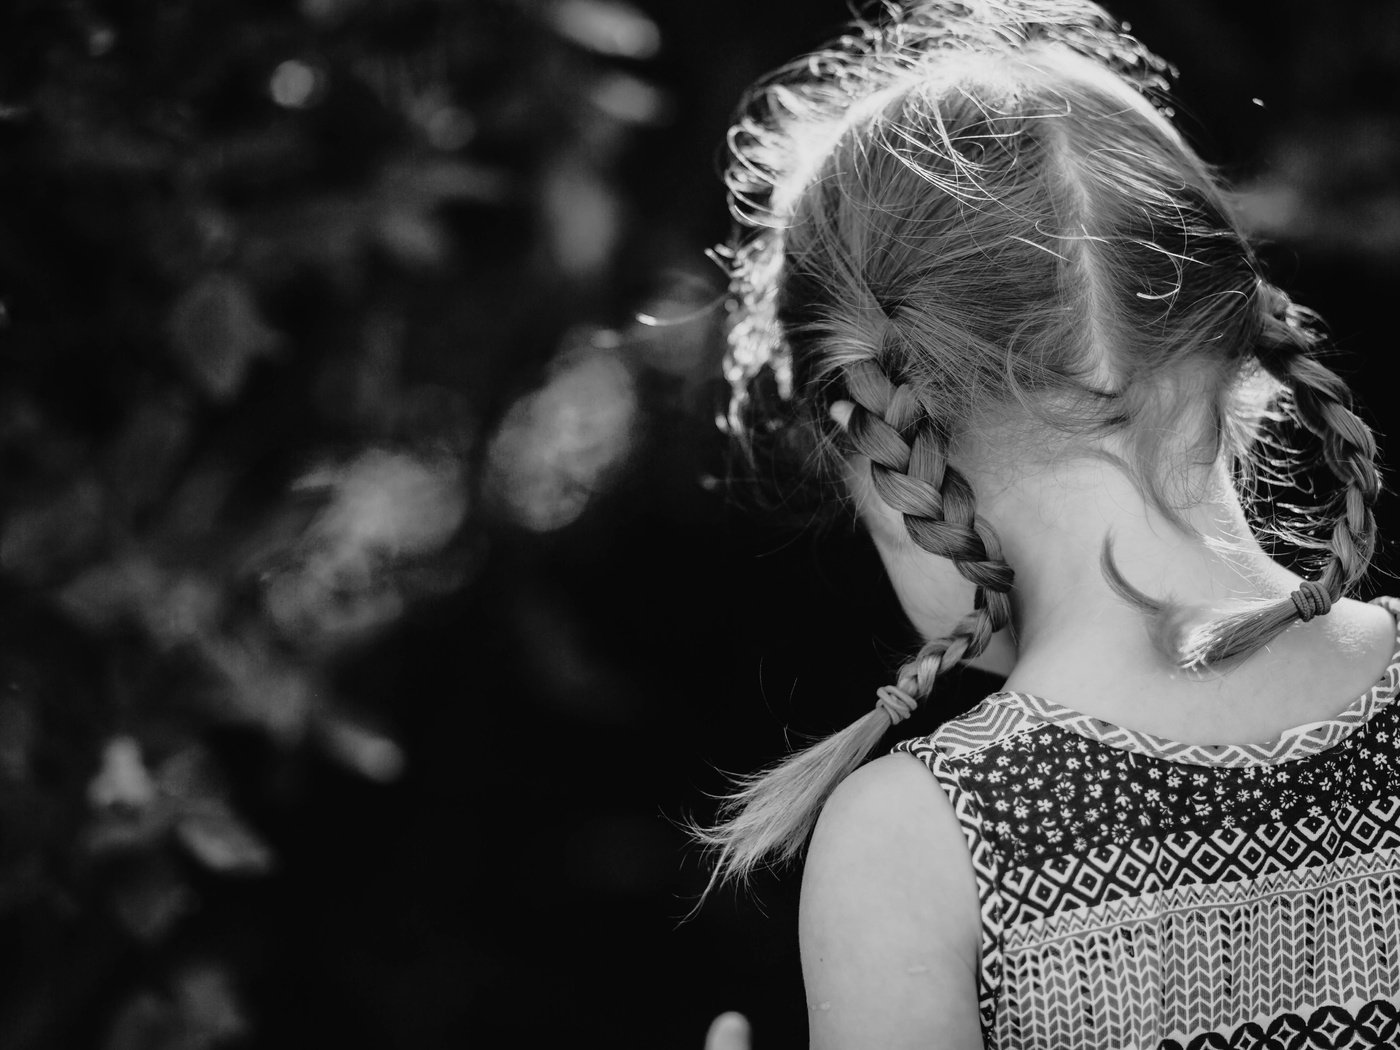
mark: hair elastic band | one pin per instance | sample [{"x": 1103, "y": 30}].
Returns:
[
  {"x": 1311, "y": 599},
  {"x": 895, "y": 702}
]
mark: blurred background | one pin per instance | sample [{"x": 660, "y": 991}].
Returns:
[{"x": 373, "y": 605}]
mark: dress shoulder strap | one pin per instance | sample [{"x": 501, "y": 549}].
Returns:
[{"x": 982, "y": 727}]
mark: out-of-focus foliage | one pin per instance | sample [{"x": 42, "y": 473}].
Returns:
[{"x": 281, "y": 287}]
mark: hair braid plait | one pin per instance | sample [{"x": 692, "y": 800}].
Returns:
[
  {"x": 1323, "y": 405},
  {"x": 909, "y": 470},
  {"x": 770, "y": 814}
]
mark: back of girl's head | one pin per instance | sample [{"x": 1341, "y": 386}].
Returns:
[{"x": 980, "y": 211}]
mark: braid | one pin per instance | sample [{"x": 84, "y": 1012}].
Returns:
[
  {"x": 1323, "y": 404},
  {"x": 915, "y": 478},
  {"x": 771, "y": 814}
]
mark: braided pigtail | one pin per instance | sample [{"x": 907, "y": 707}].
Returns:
[
  {"x": 1323, "y": 405},
  {"x": 772, "y": 813},
  {"x": 909, "y": 470}
]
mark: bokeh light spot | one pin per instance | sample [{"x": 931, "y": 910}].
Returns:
[
  {"x": 607, "y": 27},
  {"x": 294, "y": 84},
  {"x": 557, "y": 447}
]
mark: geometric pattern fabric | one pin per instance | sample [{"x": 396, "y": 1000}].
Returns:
[
  {"x": 1146, "y": 865},
  {"x": 1373, "y": 1024},
  {"x": 1136, "y": 892}
]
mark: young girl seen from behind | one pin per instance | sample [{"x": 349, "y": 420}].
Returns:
[{"x": 986, "y": 294}]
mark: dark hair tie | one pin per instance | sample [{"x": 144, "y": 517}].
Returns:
[{"x": 1311, "y": 599}]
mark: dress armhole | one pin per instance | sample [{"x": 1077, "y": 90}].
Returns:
[{"x": 991, "y": 905}]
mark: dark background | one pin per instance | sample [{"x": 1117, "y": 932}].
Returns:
[{"x": 372, "y": 608}]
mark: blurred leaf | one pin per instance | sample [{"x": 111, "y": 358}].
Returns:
[
  {"x": 223, "y": 843},
  {"x": 632, "y": 101},
  {"x": 411, "y": 237},
  {"x": 296, "y": 84},
  {"x": 258, "y": 685},
  {"x": 202, "y": 1012},
  {"x": 319, "y": 601},
  {"x": 387, "y": 502},
  {"x": 607, "y": 27},
  {"x": 186, "y": 781},
  {"x": 360, "y": 748},
  {"x": 171, "y": 609},
  {"x": 342, "y": 578},
  {"x": 556, "y": 447},
  {"x": 122, "y": 780},
  {"x": 208, "y": 1004},
  {"x": 183, "y": 611},
  {"x": 218, "y": 332},
  {"x": 583, "y": 216}
]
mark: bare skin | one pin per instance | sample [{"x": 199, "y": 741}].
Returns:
[
  {"x": 889, "y": 917},
  {"x": 1072, "y": 640}
]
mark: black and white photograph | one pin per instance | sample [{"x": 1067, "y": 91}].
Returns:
[{"x": 764, "y": 525}]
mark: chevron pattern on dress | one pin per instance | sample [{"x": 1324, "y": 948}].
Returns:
[
  {"x": 1197, "y": 961},
  {"x": 985, "y": 725},
  {"x": 1296, "y": 743}
]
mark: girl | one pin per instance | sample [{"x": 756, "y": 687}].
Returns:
[{"x": 998, "y": 302}]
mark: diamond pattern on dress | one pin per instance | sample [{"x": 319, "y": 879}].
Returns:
[{"x": 1148, "y": 865}]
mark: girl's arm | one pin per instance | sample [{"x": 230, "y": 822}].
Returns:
[{"x": 889, "y": 919}]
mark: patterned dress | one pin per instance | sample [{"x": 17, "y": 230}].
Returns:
[{"x": 1137, "y": 892}]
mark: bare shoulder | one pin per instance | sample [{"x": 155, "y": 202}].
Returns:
[{"x": 889, "y": 917}]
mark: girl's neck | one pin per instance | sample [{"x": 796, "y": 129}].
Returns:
[
  {"x": 1078, "y": 643},
  {"x": 1053, "y": 524}
]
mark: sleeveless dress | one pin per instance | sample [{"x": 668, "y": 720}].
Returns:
[{"x": 1137, "y": 892}]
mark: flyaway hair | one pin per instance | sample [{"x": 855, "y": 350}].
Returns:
[{"x": 960, "y": 211}]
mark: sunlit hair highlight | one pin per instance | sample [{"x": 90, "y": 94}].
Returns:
[{"x": 963, "y": 211}]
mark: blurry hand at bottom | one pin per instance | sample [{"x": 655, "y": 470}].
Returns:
[{"x": 728, "y": 1032}]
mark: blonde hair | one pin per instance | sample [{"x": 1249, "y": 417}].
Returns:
[{"x": 966, "y": 206}]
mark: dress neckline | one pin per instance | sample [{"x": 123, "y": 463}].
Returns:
[{"x": 1293, "y": 744}]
